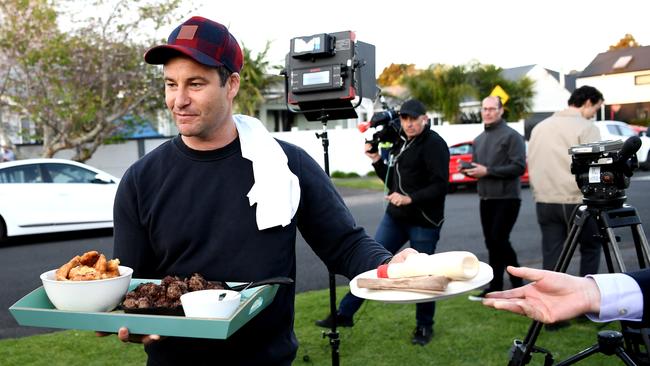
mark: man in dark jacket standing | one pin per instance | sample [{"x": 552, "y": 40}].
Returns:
[
  {"x": 416, "y": 177},
  {"x": 499, "y": 159}
]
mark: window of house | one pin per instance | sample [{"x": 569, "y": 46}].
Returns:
[{"x": 642, "y": 79}]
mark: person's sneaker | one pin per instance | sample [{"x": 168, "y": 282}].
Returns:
[
  {"x": 554, "y": 327},
  {"x": 480, "y": 296},
  {"x": 341, "y": 321},
  {"x": 422, "y": 335}
]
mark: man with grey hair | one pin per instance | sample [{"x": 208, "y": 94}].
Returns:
[
  {"x": 498, "y": 160},
  {"x": 6, "y": 154}
]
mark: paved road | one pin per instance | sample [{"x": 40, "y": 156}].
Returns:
[{"x": 22, "y": 260}]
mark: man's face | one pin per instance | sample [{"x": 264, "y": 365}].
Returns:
[
  {"x": 490, "y": 111},
  {"x": 589, "y": 110},
  {"x": 196, "y": 99},
  {"x": 412, "y": 126}
]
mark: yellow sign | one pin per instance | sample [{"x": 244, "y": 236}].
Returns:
[{"x": 499, "y": 92}]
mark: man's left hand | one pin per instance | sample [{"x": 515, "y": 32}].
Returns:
[
  {"x": 478, "y": 171},
  {"x": 398, "y": 199}
]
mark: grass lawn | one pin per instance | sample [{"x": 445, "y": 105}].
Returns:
[
  {"x": 373, "y": 183},
  {"x": 466, "y": 333}
]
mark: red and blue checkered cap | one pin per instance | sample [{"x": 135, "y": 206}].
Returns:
[{"x": 205, "y": 41}]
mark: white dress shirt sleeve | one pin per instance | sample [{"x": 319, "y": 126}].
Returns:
[{"x": 620, "y": 298}]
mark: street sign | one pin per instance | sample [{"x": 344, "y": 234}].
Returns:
[{"x": 499, "y": 92}]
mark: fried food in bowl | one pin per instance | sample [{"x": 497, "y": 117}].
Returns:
[{"x": 95, "y": 286}]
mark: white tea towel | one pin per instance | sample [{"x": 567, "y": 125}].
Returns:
[{"x": 276, "y": 189}]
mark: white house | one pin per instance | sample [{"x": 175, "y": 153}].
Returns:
[{"x": 623, "y": 76}]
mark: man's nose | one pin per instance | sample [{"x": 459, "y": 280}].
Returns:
[{"x": 182, "y": 98}]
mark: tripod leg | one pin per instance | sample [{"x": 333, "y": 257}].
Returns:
[
  {"x": 642, "y": 250},
  {"x": 520, "y": 352}
]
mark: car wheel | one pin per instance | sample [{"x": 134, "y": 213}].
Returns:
[
  {"x": 3, "y": 231},
  {"x": 646, "y": 164}
]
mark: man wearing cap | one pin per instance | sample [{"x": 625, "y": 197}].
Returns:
[
  {"x": 499, "y": 159},
  {"x": 416, "y": 177},
  {"x": 225, "y": 199}
]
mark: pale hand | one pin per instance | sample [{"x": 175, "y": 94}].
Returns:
[
  {"x": 549, "y": 298},
  {"x": 401, "y": 256},
  {"x": 478, "y": 171},
  {"x": 398, "y": 199}
]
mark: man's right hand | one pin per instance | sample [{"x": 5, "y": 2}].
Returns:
[{"x": 372, "y": 155}]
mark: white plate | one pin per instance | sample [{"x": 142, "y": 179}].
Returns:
[{"x": 454, "y": 288}]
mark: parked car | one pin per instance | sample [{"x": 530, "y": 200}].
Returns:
[
  {"x": 462, "y": 152},
  {"x": 53, "y": 195},
  {"x": 616, "y": 130}
]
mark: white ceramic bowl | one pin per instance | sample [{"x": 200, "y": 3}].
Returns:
[
  {"x": 206, "y": 303},
  {"x": 88, "y": 296}
]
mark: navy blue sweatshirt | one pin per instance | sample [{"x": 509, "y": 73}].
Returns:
[{"x": 179, "y": 211}]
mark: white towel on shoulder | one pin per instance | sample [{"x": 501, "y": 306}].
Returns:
[{"x": 276, "y": 189}]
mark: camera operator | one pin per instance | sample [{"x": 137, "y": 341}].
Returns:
[
  {"x": 554, "y": 297},
  {"x": 417, "y": 177}
]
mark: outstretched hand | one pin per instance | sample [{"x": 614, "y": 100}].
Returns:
[
  {"x": 401, "y": 256},
  {"x": 549, "y": 298}
]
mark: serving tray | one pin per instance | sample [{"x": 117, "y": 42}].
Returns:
[{"x": 36, "y": 310}]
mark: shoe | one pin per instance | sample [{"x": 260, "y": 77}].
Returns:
[
  {"x": 554, "y": 327},
  {"x": 422, "y": 335},
  {"x": 480, "y": 296},
  {"x": 341, "y": 321}
]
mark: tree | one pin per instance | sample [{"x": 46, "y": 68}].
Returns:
[
  {"x": 625, "y": 42},
  {"x": 255, "y": 81},
  {"x": 485, "y": 77},
  {"x": 441, "y": 88},
  {"x": 81, "y": 87},
  {"x": 393, "y": 74}
]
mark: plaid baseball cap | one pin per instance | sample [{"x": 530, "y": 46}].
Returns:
[
  {"x": 205, "y": 41},
  {"x": 413, "y": 108}
]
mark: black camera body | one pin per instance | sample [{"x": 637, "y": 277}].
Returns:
[
  {"x": 388, "y": 125},
  {"x": 603, "y": 170}
]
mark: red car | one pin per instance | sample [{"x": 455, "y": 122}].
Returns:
[{"x": 463, "y": 152}]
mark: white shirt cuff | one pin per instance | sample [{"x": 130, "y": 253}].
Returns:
[{"x": 620, "y": 298}]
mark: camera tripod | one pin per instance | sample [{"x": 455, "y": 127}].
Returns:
[{"x": 632, "y": 339}]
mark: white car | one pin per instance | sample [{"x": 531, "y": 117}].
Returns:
[
  {"x": 616, "y": 130},
  {"x": 53, "y": 195}
]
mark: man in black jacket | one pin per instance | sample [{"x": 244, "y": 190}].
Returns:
[{"x": 416, "y": 177}]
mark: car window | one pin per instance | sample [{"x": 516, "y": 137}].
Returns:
[
  {"x": 460, "y": 149},
  {"x": 21, "y": 174},
  {"x": 613, "y": 130},
  {"x": 64, "y": 173},
  {"x": 626, "y": 131}
]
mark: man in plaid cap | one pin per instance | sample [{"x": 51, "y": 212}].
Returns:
[{"x": 207, "y": 202}]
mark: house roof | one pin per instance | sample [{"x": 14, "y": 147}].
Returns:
[
  {"x": 516, "y": 73},
  {"x": 604, "y": 63}
]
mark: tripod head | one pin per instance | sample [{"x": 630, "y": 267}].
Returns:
[{"x": 603, "y": 170}]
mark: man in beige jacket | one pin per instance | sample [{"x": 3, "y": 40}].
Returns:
[{"x": 555, "y": 190}]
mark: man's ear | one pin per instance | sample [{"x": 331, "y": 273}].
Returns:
[{"x": 233, "y": 85}]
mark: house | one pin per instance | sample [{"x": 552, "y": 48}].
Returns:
[{"x": 623, "y": 76}]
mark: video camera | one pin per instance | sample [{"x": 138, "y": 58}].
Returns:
[
  {"x": 603, "y": 170},
  {"x": 326, "y": 72},
  {"x": 387, "y": 124}
]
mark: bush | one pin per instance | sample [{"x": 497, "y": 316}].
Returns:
[{"x": 340, "y": 174}]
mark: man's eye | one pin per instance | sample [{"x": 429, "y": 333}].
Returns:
[
  {"x": 196, "y": 85},
  {"x": 170, "y": 85}
]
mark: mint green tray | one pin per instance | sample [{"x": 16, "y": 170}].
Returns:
[{"x": 36, "y": 310}]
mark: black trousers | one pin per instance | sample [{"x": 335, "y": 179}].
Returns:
[
  {"x": 555, "y": 221},
  {"x": 498, "y": 216}
]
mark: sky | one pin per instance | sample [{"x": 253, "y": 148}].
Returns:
[{"x": 558, "y": 35}]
